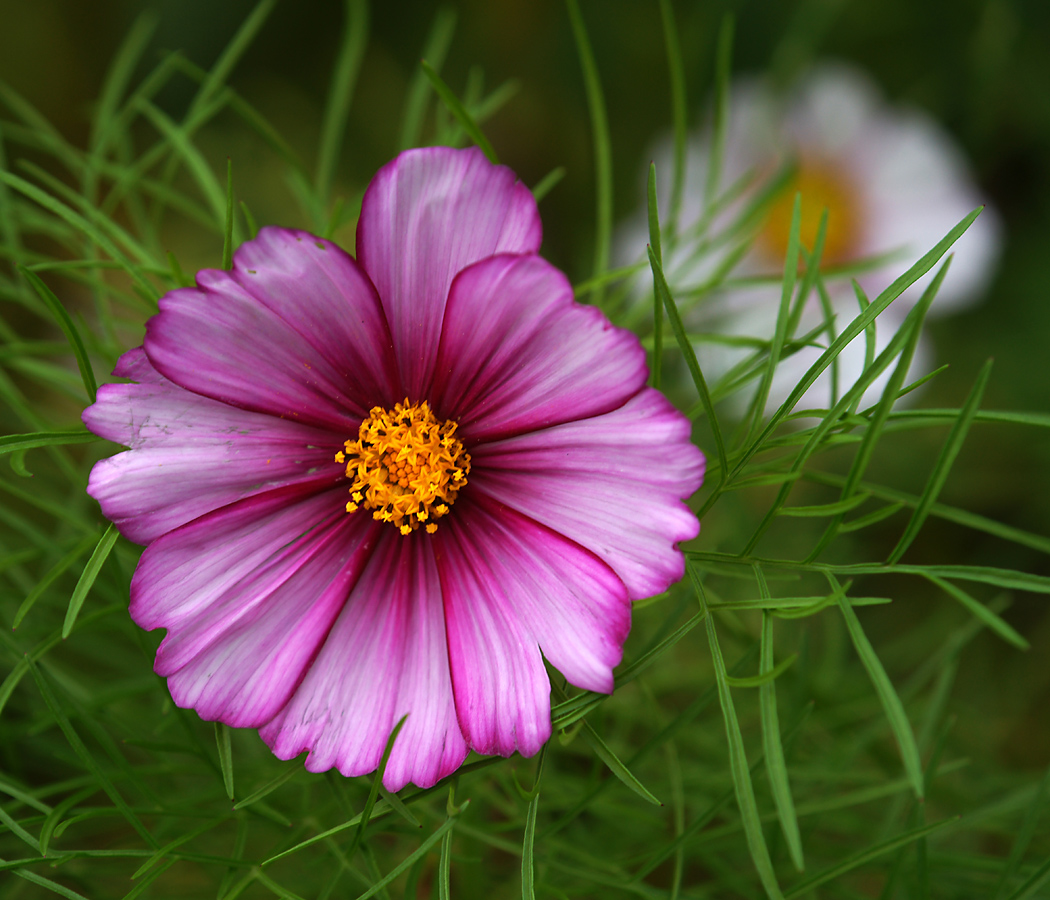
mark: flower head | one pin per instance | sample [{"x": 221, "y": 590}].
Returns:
[
  {"x": 393, "y": 485},
  {"x": 894, "y": 184}
]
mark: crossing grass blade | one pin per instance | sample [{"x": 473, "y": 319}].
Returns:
[
  {"x": 658, "y": 307},
  {"x": 64, "y": 321},
  {"x": 602, "y": 147},
  {"x": 340, "y": 95},
  {"x": 891, "y": 702},
  {"x": 939, "y": 475},
  {"x": 434, "y": 50},
  {"x": 738, "y": 766},
  {"x": 679, "y": 111},
  {"x": 88, "y": 576},
  {"x": 689, "y": 354},
  {"x": 983, "y": 613},
  {"x": 52, "y": 575},
  {"x": 459, "y": 112},
  {"x": 222, "y": 742}
]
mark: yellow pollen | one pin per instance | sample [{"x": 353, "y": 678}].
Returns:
[
  {"x": 405, "y": 466},
  {"x": 823, "y": 185}
]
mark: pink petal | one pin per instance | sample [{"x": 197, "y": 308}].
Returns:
[
  {"x": 178, "y": 438},
  {"x": 517, "y": 353},
  {"x": 501, "y": 686},
  {"x": 613, "y": 484},
  {"x": 425, "y": 216},
  {"x": 183, "y": 573},
  {"x": 239, "y": 660},
  {"x": 562, "y": 596},
  {"x": 386, "y": 656},
  {"x": 295, "y": 330}
]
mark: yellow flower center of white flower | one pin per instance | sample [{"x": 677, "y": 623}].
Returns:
[
  {"x": 823, "y": 185},
  {"x": 406, "y": 466}
]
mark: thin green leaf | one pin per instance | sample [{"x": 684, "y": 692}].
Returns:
[
  {"x": 249, "y": 220},
  {"x": 939, "y": 475},
  {"x": 720, "y": 128},
  {"x": 1024, "y": 834},
  {"x": 445, "y": 867},
  {"x": 547, "y": 183},
  {"x": 825, "y": 509},
  {"x": 435, "y": 49},
  {"x": 764, "y": 678},
  {"x": 679, "y": 110},
  {"x": 18, "y": 830},
  {"x": 528, "y": 866},
  {"x": 602, "y": 146},
  {"x": 865, "y": 856},
  {"x": 1037, "y": 879},
  {"x": 68, "y": 329},
  {"x": 56, "y": 570},
  {"x": 290, "y": 772},
  {"x": 88, "y": 576},
  {"x": 82, "y": 752},
  {"x": 980, "y": 611},
  {"x": 689, "y": 354},
  {"x": 409, "y": 860},
  {"x": 459, "y": 112},
  {"x": 373, "y": 792},
  {"x": 776, "y": 767},
  {"x": 340, "y": 94},
  {"x": 11, "y": 443},
  {"x": 222, "y": 742},
  {"x": 612, "y": 761},
  {"x": 891, "y": 703},
  {"x": 227, "y": 231},
  {"x": 738, "y": 766},
  {"x": 658, "y": 307}
]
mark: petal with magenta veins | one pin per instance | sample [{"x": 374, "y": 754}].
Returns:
[
  {"x": 518, "y": 353},
  {"x": 427, "y": 215},
  {"x": 295, "y": 331},
  {"x": 179, "y": 438},
  {"x": 385, "y": 657},
  {"x": 613, "y": 484}
]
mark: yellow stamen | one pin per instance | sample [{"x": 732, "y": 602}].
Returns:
[
  {"x": 823, "y": 185},
  {"x": 405, "y": 466}
]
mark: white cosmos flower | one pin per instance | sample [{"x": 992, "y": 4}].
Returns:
[{"x": 894, "y": 184}]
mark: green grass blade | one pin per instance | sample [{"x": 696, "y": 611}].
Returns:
[
  {"x": 1024, "y": 835},
  {"x": 222, "y": 742},
  {"x": 14, "y": 443},
  {"x": 679, "y": 111},
  {"x": 723, "y": 65},
  {"x": 290, "y": 772},
  {"x": 612, "y": 761},
  {"x": 227, "y": 231},
  {"x": 1037, "y": 879},
  {"x": 340, "y": 94},
  {"x": 88, "y": 576},
  {"x": 763, "y": 678},
  {"x": 528, "y": 866},
  {"x": 435, "y": 49},
  {"x": 409, "y": 860},
  {"x": 925, "y": 263},
  {"x": 939, "y": 475},
  {"x": 16, "y": 829},
  {"x": 780, "y": 335},
  {"x": 85, "y": 756},
  {"x": 547, "y": 183},
  {"x": 980, "y": 611},
  {"x": 658, "y": 307},
  {"x": 56, "y": 570},
  {"x": 738, "y": 766},
  {"x": 865, "y": 856},
  {"x": 229, "y": 58},
  {"x": 776, "y": 767},
  {"x": 459, "y": 112},
  {"x": 689, "y": 354},
  {"x": 602, "y": 146},
  {"x": 891, "y": 702},
  {"x": 373, "y": 792},
  {"x": 445, "y": 867}
]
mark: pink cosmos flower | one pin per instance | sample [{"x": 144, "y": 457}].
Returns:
[{"x": 393, "y": 484}]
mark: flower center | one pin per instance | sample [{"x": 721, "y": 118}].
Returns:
[
  {"x": 823, "y": 185},
  {"x": 406, "y": 466}
]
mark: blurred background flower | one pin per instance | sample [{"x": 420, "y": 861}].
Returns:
[{"x": 893, "y": 182}]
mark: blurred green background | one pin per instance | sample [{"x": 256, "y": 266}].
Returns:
[{"x": 980, "y": 68}]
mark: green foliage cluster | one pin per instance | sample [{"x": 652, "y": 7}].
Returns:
[{"x": 760, "y": 741}]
